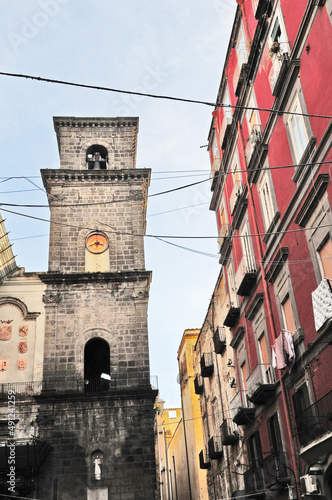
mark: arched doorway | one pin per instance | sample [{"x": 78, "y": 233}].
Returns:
[{"x": 96, "y": 365}]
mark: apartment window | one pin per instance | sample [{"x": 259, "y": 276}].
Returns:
[
  {"x": 244, "y": 376},
  {"x": 274, "y": 434},
  {"x": 241, "y": 48},
  {"x": 222, "y": 291},
  {"x": 222, "y": 223},
  {"x": 255, "y": 450},
  {"x": 288, "y": 315},
  {"x": 267, "y": 200},
  {"x": 325, "y": 258},
  {"x": 298, "y": 131},
  {"x": 264, "y": 359},
  {"x": 247, "y": 250}
]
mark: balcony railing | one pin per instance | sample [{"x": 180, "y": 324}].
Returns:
[
  {"x": 204, "y": 460},
  {"x": 245, "y": 276},
  {"x": 254, "y": 139},
  {"x": 242, "y": 410},
  {"x": 233, "y": 311},
  {"x": 215, "y": 447},
  {"x": 315, "y": 421},
  {"x": 29, "y": 454},
  {"x": 199, "y": 385},
  {"x": 261, "y": 384},
  {"x": 207, "y": 364},
  {"x": 219, "y": 340},
  {"x": 235, "y": 195},
  {"x": 76, "y": 386},
  {"x": 279, "y": 55},
  {"x": 271, "y": 470},
  {"x": 229, "y": 432}
]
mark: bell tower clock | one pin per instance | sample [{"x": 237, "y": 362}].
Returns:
[{"x": 96, "y": 363}]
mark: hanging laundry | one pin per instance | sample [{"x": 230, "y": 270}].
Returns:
[
  {"x": 283, "y": 352},
  {"x": 322, "y": 303},
  {"x": 289, "y": 347}
]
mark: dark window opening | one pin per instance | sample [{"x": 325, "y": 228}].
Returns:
[
  {"x": 96, "y": 158},
  {"x": 96, "y": 365}
]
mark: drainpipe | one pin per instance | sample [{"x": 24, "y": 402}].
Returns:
[
  {"x": 186, "y": 446},
  {"x": 268, "y": 304},
  {"x": 167, "y": 469},
  {"x": 176, "y": 486},
  {"x": 222, "y": 406}
]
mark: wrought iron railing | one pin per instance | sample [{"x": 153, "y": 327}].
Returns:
[
  {"x": 261, "y": 374},
  {"x": 315, "y": 421},
  {"x": 75, "y": 386},
  {"x": 266, "y": 472}
]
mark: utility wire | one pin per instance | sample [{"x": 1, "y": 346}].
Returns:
[
  {"x": 156, "y": 96},
  {"x": 140, "y": 235},
  {"x": 185, "y": 186}
]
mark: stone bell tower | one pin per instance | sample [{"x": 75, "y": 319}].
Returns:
[{"x": 96, "y": 406}]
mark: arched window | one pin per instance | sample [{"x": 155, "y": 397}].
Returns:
[
  {"x": 96, "y": 365},
  {"x": 96, "y": 157}
]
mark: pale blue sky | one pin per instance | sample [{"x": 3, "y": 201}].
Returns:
[{"x": 169, "y": 48}]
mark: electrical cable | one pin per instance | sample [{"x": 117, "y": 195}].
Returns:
[
  {"x": 139, "y": 235},
  {"x": 217, "y": 174},
  {"x": 156, "y": 96}
]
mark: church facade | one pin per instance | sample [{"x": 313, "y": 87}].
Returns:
[{"x": 77, "y": 356}]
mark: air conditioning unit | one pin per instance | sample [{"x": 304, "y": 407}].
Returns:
[{"x": 309, "y": 485}]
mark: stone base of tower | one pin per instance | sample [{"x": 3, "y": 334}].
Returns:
[{"x": 102, "y": 446}]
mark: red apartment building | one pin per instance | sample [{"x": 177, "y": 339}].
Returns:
[{"x": 270, "y": 150}]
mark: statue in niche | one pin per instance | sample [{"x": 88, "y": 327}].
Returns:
[{"x": 97, "y": 460}]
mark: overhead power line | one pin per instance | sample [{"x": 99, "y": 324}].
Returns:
[
  {"x": 169, "y": 237},
  {"x": 184, "y": 186},
  {"x": 156, "y": 96}
]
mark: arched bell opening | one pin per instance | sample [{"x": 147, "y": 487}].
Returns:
[
  {"x": 97, "y": 365},
  {"x": 96, "y": 157}
]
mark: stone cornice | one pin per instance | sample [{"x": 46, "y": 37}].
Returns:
[
  {"x": 88, "y": 122},
  {"x": 86, "y": 278},
  {"x": 104, "y": 176}
]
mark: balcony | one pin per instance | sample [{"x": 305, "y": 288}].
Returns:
[
  {"x": 229, "y": 432},
  {"x": 207, "y": 364},
  {"x": 241, "y": 79},
  {"x": 254, "y": 139},
  {"x": 242, "y": 411},
  {"x": 215, "y": 448},
  {"x": 227, "y": 134},
  {"x": 204, "y": 460},
  {"x": 219, "y": 340},
  {"x": 29, "y": 454},
  {"x": 235, "y": 196},
  {"x": 198, "y": 383},
  {"x": 76, "y": 385},
  {"x": 246, "y": 275},
  {"x": 233, "y": 312},
  {"x": 271, "y": 471},
  {"x": 314, "y": 427},
  {"x": 261, "y": 384},
  {"x": 280, "y": 59}
]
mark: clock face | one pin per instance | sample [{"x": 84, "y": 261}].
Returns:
[{"x": 96, "y": 243}]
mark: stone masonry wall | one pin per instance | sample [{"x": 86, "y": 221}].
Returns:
[
  {"x": 83, "y": 202},
  {"x": 112, "y": 307},
  {"x": 75, "y": 135}
]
